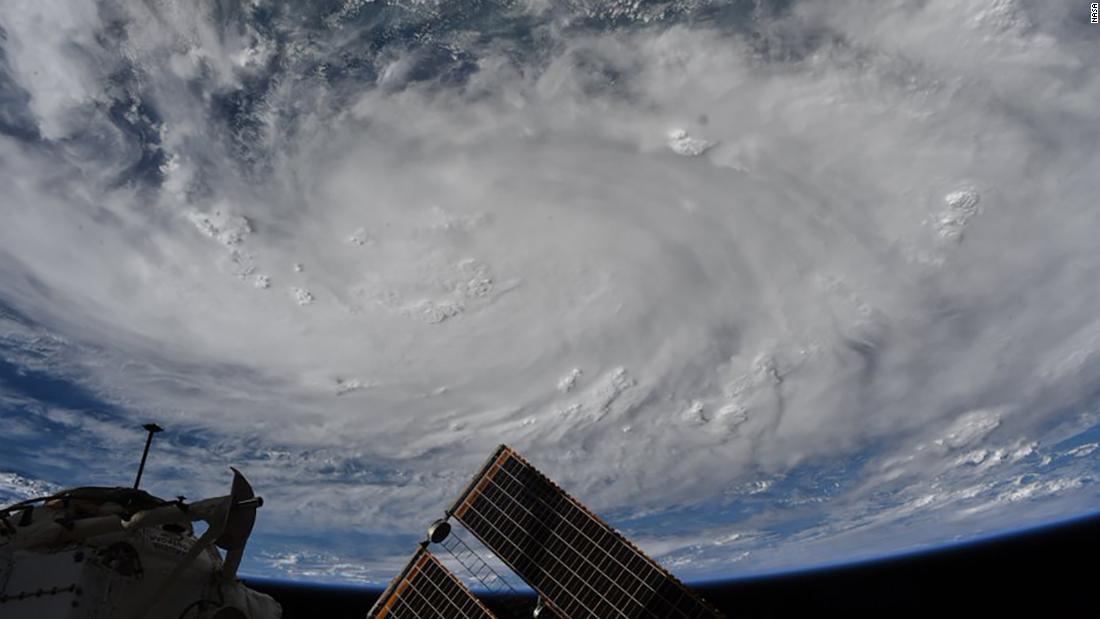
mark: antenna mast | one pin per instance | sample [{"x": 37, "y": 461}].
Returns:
[{"x": 152, "y": 429}]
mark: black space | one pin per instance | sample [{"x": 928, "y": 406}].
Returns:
[{"x": 1050, "y": 572}]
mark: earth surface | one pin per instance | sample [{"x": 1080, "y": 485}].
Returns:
[{"x": 769, "y": 285}]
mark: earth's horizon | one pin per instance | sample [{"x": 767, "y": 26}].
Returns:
[{"x": 767, "y": 285}]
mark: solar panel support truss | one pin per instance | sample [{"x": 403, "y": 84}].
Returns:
[{"x": 477, "y": 567}]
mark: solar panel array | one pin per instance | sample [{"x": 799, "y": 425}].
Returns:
[
  {"x": 427, "y": 589},
  {"x": 579, "y": 565}
]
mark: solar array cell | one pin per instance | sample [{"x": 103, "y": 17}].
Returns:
[
  {"x": 581, "y": 566},
  {"x": 427, "y": 589}
]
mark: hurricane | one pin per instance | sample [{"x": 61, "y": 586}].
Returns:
[{"x": 770, "y": 285}]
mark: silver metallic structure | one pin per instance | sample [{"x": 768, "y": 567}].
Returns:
[{"x": 113, "y": 552}]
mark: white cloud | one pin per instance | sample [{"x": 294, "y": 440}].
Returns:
[
  {"x": 464, "y": 242},
  {"x": 15, "y": 487}
]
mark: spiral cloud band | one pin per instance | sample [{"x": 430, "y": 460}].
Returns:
[{"x": 768, "y": 284}]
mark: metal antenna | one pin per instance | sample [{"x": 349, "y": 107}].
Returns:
[{"x": 152, "y": 429}]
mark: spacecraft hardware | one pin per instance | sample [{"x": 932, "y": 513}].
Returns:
[
  {"x": 121, "y": 553},
  {"x": 580, "y": 567},
  {"x": 114, "y": 552}
]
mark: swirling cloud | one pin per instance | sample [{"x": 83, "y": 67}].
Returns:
[{"x": 668, "y": 250}]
